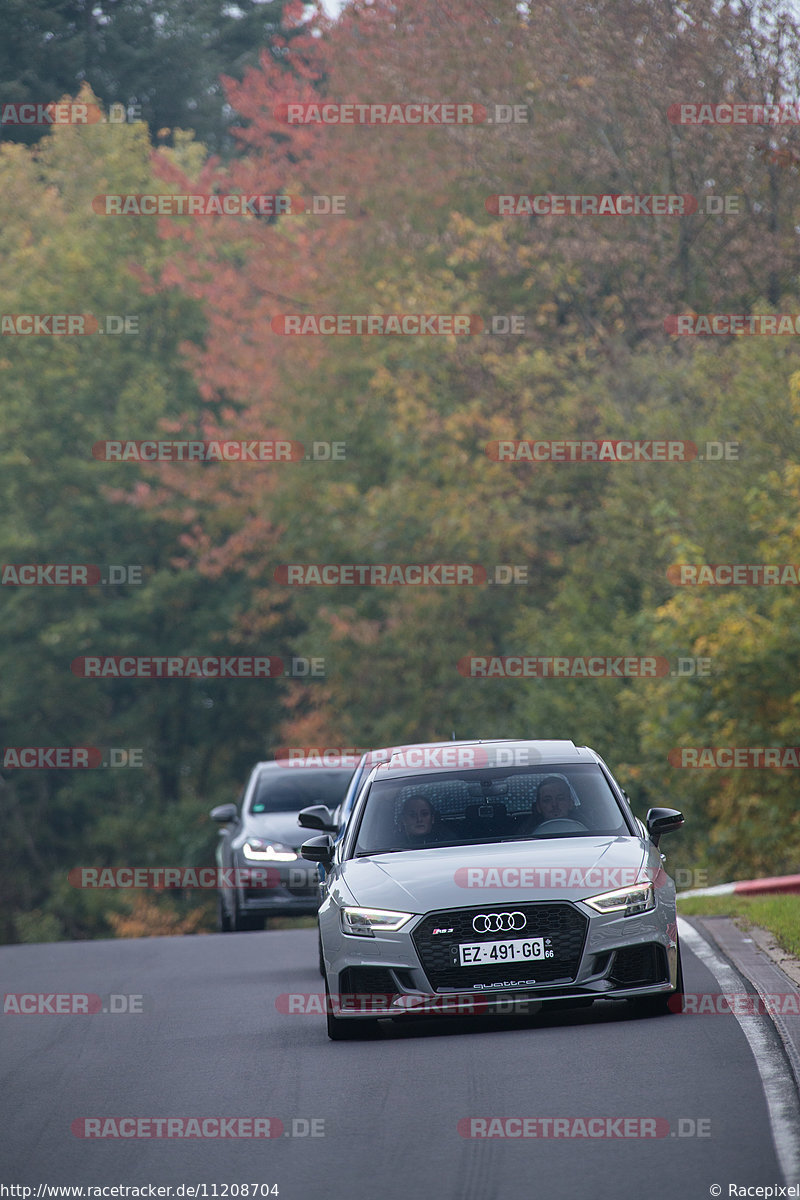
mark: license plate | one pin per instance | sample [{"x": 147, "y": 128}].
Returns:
[{"x": 481, "y": 954}]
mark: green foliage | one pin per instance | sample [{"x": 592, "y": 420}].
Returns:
[
  {"x": 162, "y": 61},
  {"x": 779, "y": 914}
]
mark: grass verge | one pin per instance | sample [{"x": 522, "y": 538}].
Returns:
[{"x": 779, "y": 914}]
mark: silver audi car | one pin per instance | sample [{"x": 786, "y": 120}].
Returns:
[{"x": 489, "y": 876}]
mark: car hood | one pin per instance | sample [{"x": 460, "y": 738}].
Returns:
[{"x": 457, "y": 876}]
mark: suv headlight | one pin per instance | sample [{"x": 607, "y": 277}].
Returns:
[
  {"x": 365, "y": 922},
  {"x": 629, "y": 900},
  {"x": 257, "y": 850}
]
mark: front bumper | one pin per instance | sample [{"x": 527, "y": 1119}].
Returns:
[
  {"x": 618, "y": 958},
  {"x": 292, "y": 889}
]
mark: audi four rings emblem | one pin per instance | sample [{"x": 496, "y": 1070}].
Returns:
[{"x": 498, "y": 922}]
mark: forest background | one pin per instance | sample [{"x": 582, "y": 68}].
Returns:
[{"x": 582, "y": 348}]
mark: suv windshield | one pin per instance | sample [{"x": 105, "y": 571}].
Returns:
[
  {"x": 288, "y": 789},
  {"x": 493, "y": 804}
]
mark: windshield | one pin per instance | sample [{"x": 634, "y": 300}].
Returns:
[
  {"x": 493, "y": 804},
  {"x": 288, "y": 789}
]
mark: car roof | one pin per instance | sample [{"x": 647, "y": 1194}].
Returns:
[
  {"x": 295, "y": 763},
  {"x": 468, "y": 755},
  {"x": 368, "y": 760}
]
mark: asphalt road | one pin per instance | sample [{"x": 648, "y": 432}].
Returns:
[{"x": 374, "y": 1120}]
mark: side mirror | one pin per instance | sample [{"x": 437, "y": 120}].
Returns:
[
  {"x": 319, "y": 849},
  {"x": 224, "y": 813},
  {"x": 317, "y": 817},
  {"x": 662, "y": 820}
]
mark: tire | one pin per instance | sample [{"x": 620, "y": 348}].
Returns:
[
  {"x": 246, "y": 922},
  {"x": 343, "y": 1030},
  {"x": 224, "y": 924},
  {"x": 664, "y": 1004}
]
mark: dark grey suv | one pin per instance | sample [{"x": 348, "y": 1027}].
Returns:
[{"x": 261, "y": 872}]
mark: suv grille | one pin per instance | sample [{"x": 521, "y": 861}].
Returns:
[{"x": 564, "y": 924}]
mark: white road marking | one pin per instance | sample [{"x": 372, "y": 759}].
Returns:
[{"x": 779, "y": 1089}]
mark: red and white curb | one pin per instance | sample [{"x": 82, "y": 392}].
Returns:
[{"x": 749, "y": 887}]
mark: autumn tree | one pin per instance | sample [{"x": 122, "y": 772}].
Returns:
[{"x": 62, "y": 504}]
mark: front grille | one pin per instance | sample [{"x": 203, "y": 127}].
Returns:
[
  {"x": 564, "y": 924},
  {"x": 639, "y": 965}
]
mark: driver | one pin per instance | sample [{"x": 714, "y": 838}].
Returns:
[
  {"x": 554, "y": 800},
  {"x": 421, "y": 823},
  {"x": 417, "y": 817}
]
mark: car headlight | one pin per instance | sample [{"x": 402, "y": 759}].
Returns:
[
  {"x": 364, "y": 922},
  {"x": 257, "y": 850},
  {"x": 628, "y": 900}
]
